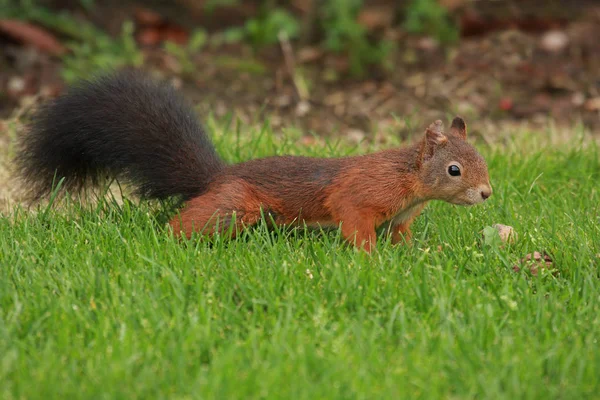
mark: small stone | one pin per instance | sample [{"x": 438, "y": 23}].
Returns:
[
  {"x": 578, "y": 99},
  {"x": 355, "y": 135},
  {"x": 16, "y": 85},
  {"x": 428, "y": 44},
  {"x": 554, "y": 41},
  {"x": 177, "y": 82},
  {"x": 302, "y": 108}
]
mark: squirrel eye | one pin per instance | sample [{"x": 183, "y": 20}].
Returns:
[{"x": 453, "y": 170}]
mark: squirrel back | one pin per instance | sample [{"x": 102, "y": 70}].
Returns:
[{"x": 121, "y": 125}]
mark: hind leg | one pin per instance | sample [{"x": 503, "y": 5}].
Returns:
[{"x": 226, "y": 209}]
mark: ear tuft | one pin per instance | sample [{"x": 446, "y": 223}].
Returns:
[
  {"x": 435, "y": 133},
  {"x": 459, "y": 128},
  {"x": 434, "y": 137}
]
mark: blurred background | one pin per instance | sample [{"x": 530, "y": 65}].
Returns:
[{"x": 354, "y": 67}]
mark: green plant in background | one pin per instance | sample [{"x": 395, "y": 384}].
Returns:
[
  {"x": 92, "y": 50},
  {"x": 101, "y": 52},
  {"x": 34, "y": 10},
  {"x": 19, "y": 9},
  {"x": 344, "y": 34},
  {"x": 265, "y": 28},
  {"x": 87, "y": 4},
  {"x": 184, "y": 54},
  {"x": 431, "y": 18},
  {"x": 337, "y": 21}
]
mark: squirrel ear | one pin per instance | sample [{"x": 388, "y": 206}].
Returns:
[
  {"x": 459, "y": 128},
  {"x": 434, "y": 137}
]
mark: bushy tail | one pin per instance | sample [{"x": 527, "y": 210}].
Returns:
[{"x": 122, "y": 126}]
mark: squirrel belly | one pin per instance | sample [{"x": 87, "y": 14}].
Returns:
[{"x": 125, "y": 126}]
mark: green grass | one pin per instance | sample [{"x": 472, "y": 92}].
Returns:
[{"x": 99, "y": 301}]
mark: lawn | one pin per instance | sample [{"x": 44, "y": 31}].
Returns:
[{"x": 100, "y": 301}]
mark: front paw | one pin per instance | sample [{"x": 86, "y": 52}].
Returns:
[{"x": 402, "y": 237}]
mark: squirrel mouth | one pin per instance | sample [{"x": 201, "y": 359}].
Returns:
[
  {"x": 474, "y": 196},
  {"x": 468, "y": 202}
]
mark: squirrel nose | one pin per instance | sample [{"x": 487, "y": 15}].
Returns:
[{"x": 485, "y": 193}]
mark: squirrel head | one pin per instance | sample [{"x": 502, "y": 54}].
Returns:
[{"x": 451, "y": 169}]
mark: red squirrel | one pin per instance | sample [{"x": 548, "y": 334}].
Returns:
[{"x": 126, "y": 126}]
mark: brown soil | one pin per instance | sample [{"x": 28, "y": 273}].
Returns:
[{"x": 507, "y": 68}]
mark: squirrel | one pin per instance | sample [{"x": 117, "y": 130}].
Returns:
[{"x": 127, "y": 126}]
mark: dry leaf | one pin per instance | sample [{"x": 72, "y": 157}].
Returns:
[
  {"x": 175, "y": 34},
  {"x": 147, "y": 17},
  {"x": 505, "y": 104},
  {"x": 452, "y": 4},
  {"x": 149, "y": 37},
  {"x": 33, "y": 36},
  {"x": 375, "y": 17},
  {"x": 535, "y": 262}
]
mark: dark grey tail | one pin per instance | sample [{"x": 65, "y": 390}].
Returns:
[{"x": 122, "y": 126}]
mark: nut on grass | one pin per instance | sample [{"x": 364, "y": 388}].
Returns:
[
  {"x": 507, "y": 233},
  {"x": 498, "y": 235}
]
